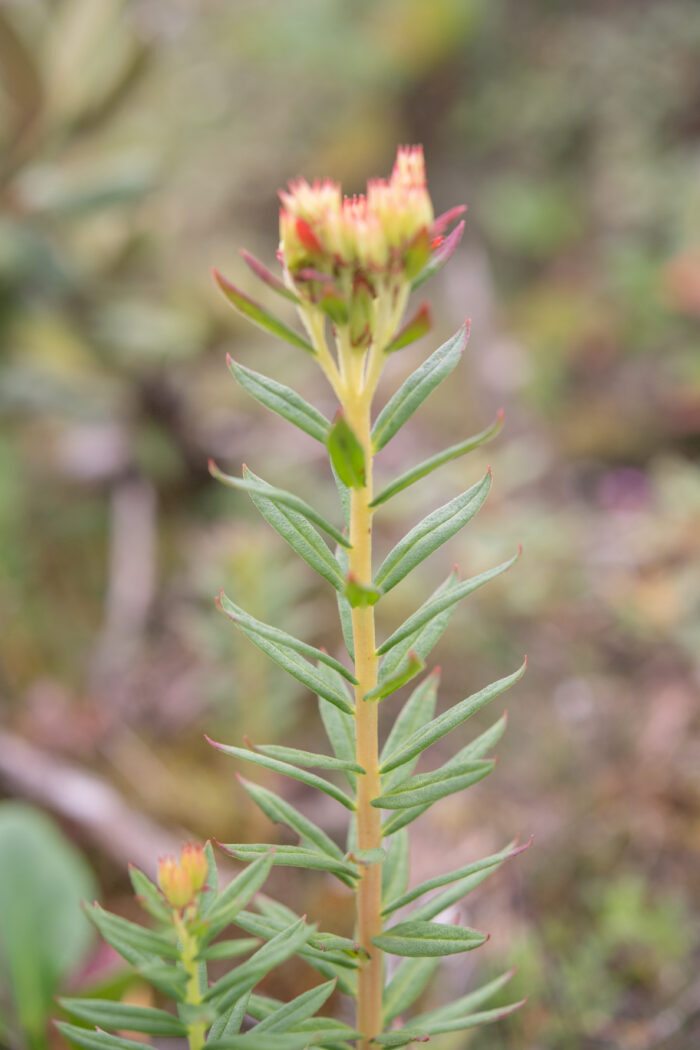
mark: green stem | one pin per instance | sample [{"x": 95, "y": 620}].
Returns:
[{"x": 189, "y": 948}]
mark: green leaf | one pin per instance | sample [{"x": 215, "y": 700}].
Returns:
[
  {"x": 169, "y": 980},
  {"x": 433, "y": 462},
  {"x": 367, "y": 857},
  {"x": 106, "y": 1013},
  {"x": 261, "y": 271},
  {"x": 411, "y": 666},
  {"x": 44, "y": 935},
  {"x": 310, "y": 779},
  {"x": 282, "y": 400},
  {"x": 254, "y": 485},
  {"x": 413, "y": 392},
  {"x": 307, "y": 759},
  {"x": 282, "y": 812},
  {"x": 346, "y": 453},
  {"x": 236, "y": 895},
  {"x": 466, "y": 1003},
  {"x": 424, "y": 639},
  {"x": 344, "y": 608},
  {"x": 298, "y": 1009},
  {"x": 395, "y": 868},
  {"x": 302, "y": 537},
  {"x": 450, "y": 719},
  {"x": 415, "y": 713},
  {"x": 400, "y": 818},
  {"x": 149, "y": 896},
  {"x": 87, "y": 1039},
  {"x": 260, "y": 316},
  {"x": 416, "y": 327},
  {"x": 401, "y": 1037},
  {"x": 439, "y": 256},
  {"x": 279, "y": 637},
  {"x": 291, "y": 857},
  {"x": 224, "y": 992},
  {"x": 339, "y": 725},
  {"x": 428, "y": 939},
  {"x": 495, "y": 860},
  {"x": 229, "y": 1023},
  {"x": 211, "y": 887},
  {"x": 427, "y": 788},
  {"x": 230, "y": 949},
  {"x": 460, "y": 1024},
  {"x": 122, "y": 933},
  {"x": 456, "y": 892},
  {"x": 282, "y": 915},
  {"x": 439, "y": 603},
  {"x": 409, "y": 980},
  {"x": 434, "y": 530},
  {"x": 359, "y": 596}
]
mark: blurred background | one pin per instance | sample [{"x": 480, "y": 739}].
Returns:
[{"x": 142, "y": 143}]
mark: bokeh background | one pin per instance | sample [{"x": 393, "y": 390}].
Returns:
[{"x": 142, "y": 143}]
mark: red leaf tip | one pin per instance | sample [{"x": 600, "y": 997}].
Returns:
[
  {"x": 520, "y": 549},
  {"x": 500, "y": 415}
]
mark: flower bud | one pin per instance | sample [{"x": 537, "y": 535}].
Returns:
[
  {"x": 193, "y": 861},
  {"x": 181, "y": 882}
]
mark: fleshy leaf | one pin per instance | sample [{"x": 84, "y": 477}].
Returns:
[
  {"x": 282, "y": 400},
  {"x": 260, "y": 316},
  {"x": 346, "y": 453}
]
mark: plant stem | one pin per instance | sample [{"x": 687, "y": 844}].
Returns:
[
  {"x": 369, "y": 832},
  {"x": 189, "y": 947}
]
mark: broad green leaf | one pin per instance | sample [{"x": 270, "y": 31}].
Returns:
[
  {"x": 307, "y": 759},
  {"x": 408, "y": 670},
  {"x": 346, "y": 453},
  {"x": 461, "y": 1024},
  {"x": 303, "y": 538},
  {"x": 395, "y": 868},
  {"x": 416, "y": 327},
  {"x": 255, "y": 486},
  {"x": 439, "y": 603},
  {"x": 428, "y": 939},
  {"x": 148, "y": 895},
  {"x": 434, "y": 530},
  {"x": 108, "y": 1013},
  {"x": 242, "y": 979},
  {"x": 44, "y": 935},
  {"x": 88, "y": 1039},
  {"x": 260, "y": 316},
  {"x": 452, "y": 876},
  {"x": 450, "y": 719},
  {"x": 122, "y": 933},
  {"x": 466, "y": 1003},
  {"x": 427, "y": 788},
  {"x": 425, "y": 638},
  {"x": 282, "y": 400},
  {"x": 265, "y": 275},
  {"x": 433, "y": 462},
  {"x": 310, "y": 779},
  {"x": 282, "y": 812},
  {"x": 415, "y": 713},
  {"x": 401, "y": 1037},
  {"x": 290, "y": 857},
  {"x": 236, "y": 895},
  {"x": 230, "y": 949},
  {"x": 280, "y": 637},
  {"x": 298, "y": 1009},
  {"x": 439, "y": 256},
  {"x": 413, "y": 392},
  {"x": 409, "y": 980}
]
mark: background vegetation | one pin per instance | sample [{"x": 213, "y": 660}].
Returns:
[{"x": 143, "y": 142}]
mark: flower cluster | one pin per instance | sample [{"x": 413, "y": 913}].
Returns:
[{"x": 181, "y": 882}]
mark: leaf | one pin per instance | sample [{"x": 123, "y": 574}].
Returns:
[
  {"x": 438, "y": 904},
  {"x": 427, "y": 788},
  {"x": 299, "y": 1009},
  {"x": 290, "y": 857},
  {"x": 416, "y": 327},
  {"x": 413, "y": 392},
  {"x": 229, "y": 1023},
  {"x": 450, "y": 719},
  {"x": 282, "y": 812},
  {"x": 254, "y": 485},
  {"x": 110, "y": 1014},
  {"x": 395, "y": 868},
  {"x": 260, "y": 316},
  {"x": 415, "y": 713},
  {"x": 367, "y": 857},
  {"x": 439, "y": 603},
  {"x": 310, "y": 779},
  {"x": 465, "y": 1003},
  {"x": 148, "y": 895},
  {"x": 401, "y": 1037},
  {"x": 460, "y": 1024},
  {"x": 307, "y": 759},
  {"x": 428, "y": 939},
  {"x": 424, "y": 639},
  {"x": 346, "y": 453},
  {"x": 339, "y": 725},
  {"x": 302, "y": 538},
  {"x": 440, "y": 458},
  {"x": 282, "y": 915},
  {"x": 230, "y": 949},
  {"x": 122, "y": 933},
  {"x": 400, "y": 818},
  {"x": 169, "y": 980},
  {"x": 224, "y": 992},
  {"x": 412, "y": 666},
  {"x": 434, "y": 530},
  {"x": 409, "y": 980},
  {"x": 359, "y": 596},
  {"x": 234, "y": 897},
  {"x": 344, "y": 608},
  {"x": 439, "y": 256},
  {"x": 279, "y": 637},
  {"x": 261, "y": 271},
  {"x": 210, "y": 892},
  {"x": 281, "y": 400},
  {"x": 495, "y": 860},
  {"x": 88, "y": 1039}
]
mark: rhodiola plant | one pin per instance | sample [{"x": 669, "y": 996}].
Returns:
[{"x": 349, "y": 265}]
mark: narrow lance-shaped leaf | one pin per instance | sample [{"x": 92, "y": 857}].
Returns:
[
  {"x": 440, "y": 726},
  {"x": 108, "y": 1013},
  {"x": 401, "y": 1037},
  {"x": 346, "y": 453},
  {"x": 416, "y": 327},
  {"x": 290, "y": 857},
  {"x": 280, "y": 811},
  {"x": 260, "y": 316},
  {"x": 87, "y": 1039},
  {"x": 255, "y": 486},
  {"x": 428, "y": 939},
  {"x": 440, "y": 458},
  {"x": 415, "y": 713},
  {"x": 261, "y": 271},
  {"x": 236, "y": 895},
  {"x": 461, "y": 1024},
  {"x": 466, "y": 1003},
  {"x": 344, "y": 607},
  {"x": 282, "y": 400},
  {"x": 408, "y": 670},
  {"x": 395, "y": 867},
  {"x": 439, "y": 256},
  {"x": 413, "y": 392},
  {"x": 339, "y": 725},
  {"x": 307, "y": 759},
  {"x": 427, "y": 788},
  {"x": 425, "y": 638},
  {"x": 122, "y": 933},
  {"x": 286, "y": 1017},
  {"x": 434, "y": 530},
  {"x": 149, "y": 896},
  {"x": 439, "y": 603},
  {"x": 279, "y": 637},
  {"x": 409, "y": 980}
]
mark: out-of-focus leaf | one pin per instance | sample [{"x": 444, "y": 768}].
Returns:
[{"x": 260, "y": 316}]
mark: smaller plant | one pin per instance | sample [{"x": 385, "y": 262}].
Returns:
[{"x": 191, "y": 914}]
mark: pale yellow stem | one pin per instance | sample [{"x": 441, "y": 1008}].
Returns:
[{"x": 189, "y": 947}]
